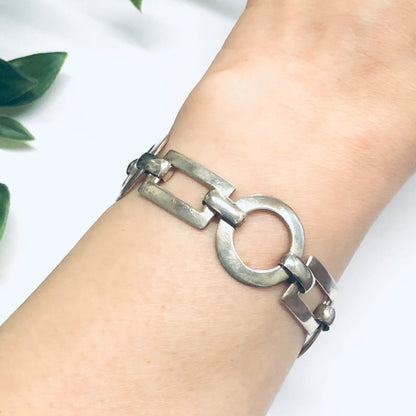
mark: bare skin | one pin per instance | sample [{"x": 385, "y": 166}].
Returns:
[{"x": 313, "y": 106}]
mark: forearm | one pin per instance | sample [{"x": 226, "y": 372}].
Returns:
[
  {"x": 141, "y": 317},
  {"x": 141, "y": 314}
]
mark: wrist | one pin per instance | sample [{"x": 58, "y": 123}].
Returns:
[
  {"x": 336, "y": 192},
  {"x": 270, "y": 103}
]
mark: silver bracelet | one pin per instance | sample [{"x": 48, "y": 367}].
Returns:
[{"x": 150, "y": 171}]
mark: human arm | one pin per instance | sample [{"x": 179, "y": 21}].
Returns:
[{"x": 94, "y": 308}]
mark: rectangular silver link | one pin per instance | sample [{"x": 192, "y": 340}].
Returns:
[
  {"x": 151, "y": 189},
  {"x": 174, "y": 205},
  {"x": 322, "y": 276},
  {"x": 299, "y": 309},
  {"x": 199, "y": 172}
]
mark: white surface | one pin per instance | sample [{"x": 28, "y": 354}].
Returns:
[{"x": 126, "y": 76}]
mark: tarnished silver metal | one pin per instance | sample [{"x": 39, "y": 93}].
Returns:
[
  {"x": 227, "y": 209},
  {"x": 157, "y": 166},
  {"x": 310, "y": 341},
  {"x": 150, "y": 171},
  {"x": 323, "y": 316},
  {"x": 136, "y": 174},
  {"x": 325, "y": 280},
  {"x": 299, "y": 309},
  {"x": 151, "y": 189},
  {"x": 299, "y": 272},
  {"x": 228, "y": 255}
]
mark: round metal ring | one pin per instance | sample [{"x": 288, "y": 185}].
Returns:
[{"x": 228, "y": 254}]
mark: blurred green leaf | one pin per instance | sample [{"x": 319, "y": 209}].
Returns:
[
  {"x": 13, "y": 83},
  {"x": 4, "y": 207},
  {"x": 12, "y": 129},
  {"x": 43, "y": 67},
  {"x": 137, "y": 3}
]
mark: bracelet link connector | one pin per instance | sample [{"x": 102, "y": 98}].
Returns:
[
  {"x": 157, "y": 166},
  {"x": 298, "y": 271},
  {"x": 150, "y": 171},
  {"x": 323, "y": 316},
  {"x": 225, "y": 207},
  {"x": 135, "y": 174}
]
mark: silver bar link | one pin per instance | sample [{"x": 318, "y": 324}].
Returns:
[
  {"x": 151, "y": 189},
  {"x": 227, "y": 209},
  {"x": 135, "y": 174},
  {"x": 151, "y": 171},
  {"x": 323, "y": 316},
  {"x": 299, "y": 272}
]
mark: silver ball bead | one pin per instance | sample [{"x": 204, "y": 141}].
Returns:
[{"x": 325, "y": 314}]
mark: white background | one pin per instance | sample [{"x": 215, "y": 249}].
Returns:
[{"x": 125, "y": 78}]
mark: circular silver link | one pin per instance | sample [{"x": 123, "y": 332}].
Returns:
[
  {"x": 228, "y": 254},
  {"x": 299, "y": 272}
]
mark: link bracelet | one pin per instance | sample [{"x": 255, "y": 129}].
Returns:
[{"x": 150, "y": 171}]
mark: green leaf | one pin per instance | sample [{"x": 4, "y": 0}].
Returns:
[
  {"x": 4, "y": 207},
  {"x": 137, "y": 3},
  {"x": 13, "y": 83},
  {"x": 44, "y": 68},
  {"x": 12, "y": 129}
]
